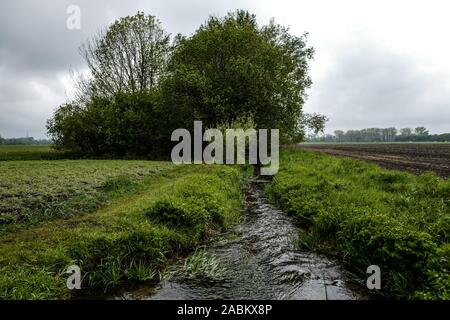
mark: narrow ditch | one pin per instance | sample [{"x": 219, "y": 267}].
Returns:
[{"x": 258, "y": 259}]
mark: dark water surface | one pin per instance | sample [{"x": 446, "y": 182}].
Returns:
[{"x": 258, "y": 259}]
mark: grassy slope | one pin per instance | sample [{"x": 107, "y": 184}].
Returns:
[
  {"x": 130, "y": 239},
  {"x": 370, "y": 215}
]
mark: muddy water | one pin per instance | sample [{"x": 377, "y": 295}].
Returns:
[{"x": 259, "y": 260}]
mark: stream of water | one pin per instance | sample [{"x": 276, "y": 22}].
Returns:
[{"x": 259, "y": 260}]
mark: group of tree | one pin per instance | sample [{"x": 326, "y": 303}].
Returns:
[
  {"x": 23, "y": 141},
  {"x": 390, "y": 134},
  {"x": 142, "y": 85}
]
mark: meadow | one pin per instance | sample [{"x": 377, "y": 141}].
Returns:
[
  {"x": 34, "y": 152},
  {"x": 35, "y": 191},
  {"x": 367, "y": 215},
  {"x": 118, "y": 220}
]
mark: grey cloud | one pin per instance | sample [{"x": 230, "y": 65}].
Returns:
[{"x": 26, "y": 102}]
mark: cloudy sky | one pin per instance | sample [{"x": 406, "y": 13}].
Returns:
[{"x": 377, "y": 63}]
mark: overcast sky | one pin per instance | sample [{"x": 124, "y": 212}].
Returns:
[{"x": 377, "y": 63}]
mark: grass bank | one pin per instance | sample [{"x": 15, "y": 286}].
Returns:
[
  {"x": 133, "y": 238},
  {"x": 371, "y": 216}
]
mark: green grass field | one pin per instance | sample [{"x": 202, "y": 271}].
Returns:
[
  {"x": 29, "y": 153},
  {"x": 119, "y": 220},
  {"x": 34, "y": 191},
  {"x": 132, "y": 238},
  {"x": 371, "y": 216}
]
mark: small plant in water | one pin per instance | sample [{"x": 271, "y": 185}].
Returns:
[
  {"x": 202, "y": 264},
  {"x": 140, "y": 271}
]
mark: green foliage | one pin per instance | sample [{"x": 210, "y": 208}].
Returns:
[
  {"x": 372, "y": 216},
  {"x": 438, "y": 272},
  {"x": 231, "y": 68},
  {"x": 115, "y": 112},
  {"x": 124, "y": 125},
  {"x": 140, "y": 92},
  {"x": 180, "y": 213},
  {"x": 195, "y": 205},
  {"x": 109, "y": 259},
  {"x": 129, "y": 57}
]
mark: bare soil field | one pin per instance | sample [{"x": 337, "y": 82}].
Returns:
[{"x": 414, "y": 157}]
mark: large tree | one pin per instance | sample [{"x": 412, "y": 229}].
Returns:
[
  {"x": 114, "y": 111},
  {"x": 233, "y": 68},
  {"x": 141, "y": 88},
  {"x": 130, "y": 56}
]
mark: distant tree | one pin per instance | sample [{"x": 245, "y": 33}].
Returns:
[
  {"x": 131, "y": 56},
  {"x": 444, "y": 137},
  {"x": 421, "y": 131},
  {"x": 377, "y": 134},
  {"x": 339, "y": 134},
  {"x": 406, "y": 132},
  {"x": 392, "y": 132}
]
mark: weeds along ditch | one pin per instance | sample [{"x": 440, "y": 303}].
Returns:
[
  {"x": 131, "y": 238},
  {"x": 371, "y": 216},
  {"x": 256, "y": 259}
]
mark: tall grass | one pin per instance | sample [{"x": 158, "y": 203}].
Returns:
[{"x": 370, "y": 215}]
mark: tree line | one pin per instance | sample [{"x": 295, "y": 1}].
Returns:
[
  {"x": 143, "y": 84},
  {"x": 23, "y": 141},
  {"x": 391, "y": 134}
]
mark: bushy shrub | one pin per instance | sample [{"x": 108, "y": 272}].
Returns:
[
  {"x": 125, "y": 125},
  {"x": 180, "y": 213},
  {"x": 108, "y": 260},
  {"x": 197, "y": 203}
]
